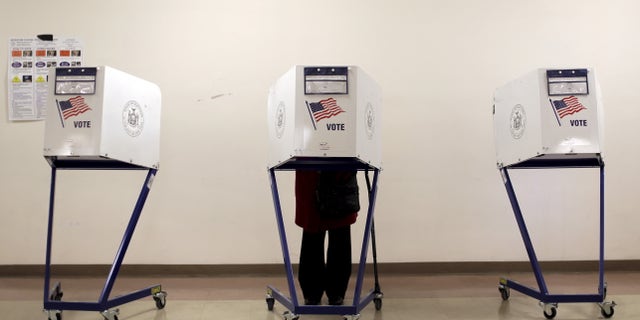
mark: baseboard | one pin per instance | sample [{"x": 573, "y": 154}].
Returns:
[{"x": 395, "y": 268}]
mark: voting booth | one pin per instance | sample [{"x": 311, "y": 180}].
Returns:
[
  {"x": 100, "y": 118},
  {"x": 550, "y": 119},
  {"x": 325, "y": 112},
  {"x": 548, "y": 115},
  {"x": 325, "y": 118}
]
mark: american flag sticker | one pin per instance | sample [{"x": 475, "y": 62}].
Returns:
[
  {"x": 71, "y": 108},
  {"x": 323, "y": 109},
  {"x": 566, "y": 106}
]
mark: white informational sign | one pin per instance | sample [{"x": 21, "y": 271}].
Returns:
[{"x": 28, "y": 69}]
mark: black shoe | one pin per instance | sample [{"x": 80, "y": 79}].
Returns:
[
  {"x": 337, "y": 301},
  {"x": 310, "y": 302}
]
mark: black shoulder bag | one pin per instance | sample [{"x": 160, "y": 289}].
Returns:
[{"x": 337, "y": 194}]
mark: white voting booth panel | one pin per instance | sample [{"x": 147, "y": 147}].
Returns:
[
  {"x": 324, "y": 112},
  {"x": 100, "y": 113},
  {"x": 548, "y": 113}
]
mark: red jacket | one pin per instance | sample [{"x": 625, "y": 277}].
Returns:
[{"x": 307, "y": 216}]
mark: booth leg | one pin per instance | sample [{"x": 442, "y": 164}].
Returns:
[
  {"x": 365, "y": 239},
  {"x": 606, "y": 308},
  {"x": 284, "y": 246},
  {"x": 126, "y": 239},
  {"x": 377, "y": 300},
  {"x": 53, "y": 305},
  {"x": 535, "y": 265},
  {"x": 55, "y": 293},
  {"x": 602, "y": 289},
  {"x": 291, "y": 302},
  {"x": 549, "y": 302}
]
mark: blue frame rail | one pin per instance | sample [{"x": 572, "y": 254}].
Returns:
[
  {"x": 53, "y": 295},
  {"x": 547, "y": 300},
  {"x": 359, "y": 301}
]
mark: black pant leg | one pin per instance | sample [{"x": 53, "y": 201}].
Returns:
[
  {"x": 311, "y": 273},
  {"x": 338, "y": 263}
]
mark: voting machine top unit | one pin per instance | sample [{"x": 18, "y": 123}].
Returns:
[
  {"x": 102, "y": 116},
  {"x": 325, "y": 112},
  {"x": 548, "y": 114}
]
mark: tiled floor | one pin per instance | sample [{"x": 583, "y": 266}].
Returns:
[{"x": 464, "y": 296}]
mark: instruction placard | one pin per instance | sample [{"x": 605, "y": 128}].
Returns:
[{"x": 29, "y": 63}]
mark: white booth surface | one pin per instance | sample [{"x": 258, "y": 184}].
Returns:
[
  {"x": 548, "y": 114},
  {"x": 327, "y": 112},
  {"x": 102, "y": 114}
]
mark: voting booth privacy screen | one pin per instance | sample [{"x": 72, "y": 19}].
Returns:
[
  {"x": 324, "y": 112},
  {"x": 102, "y": 114},
  {"x": 548, "y": 114}
]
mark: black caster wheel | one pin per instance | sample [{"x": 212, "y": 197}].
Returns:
[
  {"x": 552, "y": 313},
  {"x": 270, "y": 303},
  {"x": 378, "y": 303},
  {"x": 504, "y": 292},
  {"x": 159, "y": 303},
  {"x": 290, "y": 316},
  {"x": 110, "y": 314},
  {"x": 57, "y": 317},
  {"x": 606, "y": 309},
  {"x": 161, "y": 299},
  {"x": 54, "y": 314},
  {"x": 607, "y": 314}
]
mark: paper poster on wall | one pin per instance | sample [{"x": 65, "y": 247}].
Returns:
[{"x": 29, "y": 63}]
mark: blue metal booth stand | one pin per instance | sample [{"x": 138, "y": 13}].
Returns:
[
  {"x": 53, "y": 304},
  {"x": 359, "y": 302},
  {"x": 548, "y": 301}
]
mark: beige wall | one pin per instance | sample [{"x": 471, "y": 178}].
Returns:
[{"x": 438, "y": 62}]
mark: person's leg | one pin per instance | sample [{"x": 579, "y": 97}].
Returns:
[
  {"x": 338, "y": 264},
  {"x": 311, "y": 273}
]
